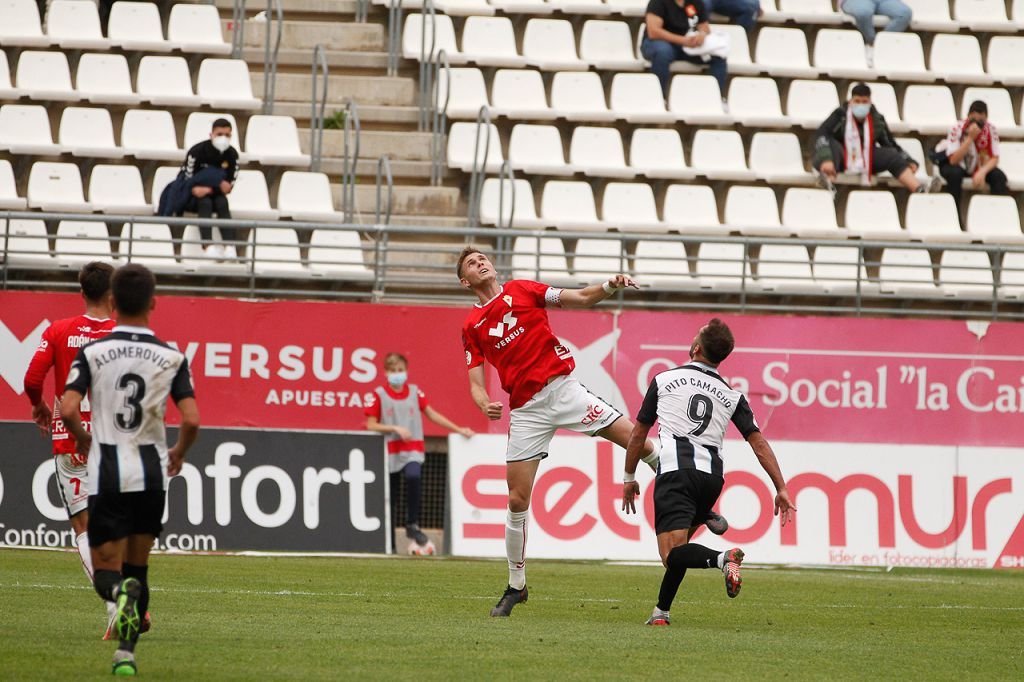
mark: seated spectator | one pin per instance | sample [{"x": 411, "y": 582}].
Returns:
[
  {"x": 741, "y": 12},
  {"x": 863, "y": 13},
  {"x": 856, "y": 139},
  {"x": 971, "y": 149},
  {"x": 679, "y": 30}
]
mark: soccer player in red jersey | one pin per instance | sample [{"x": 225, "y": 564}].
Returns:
[
  {"x": 58, "y": 348},
  {"x": 509, "y": 328}
]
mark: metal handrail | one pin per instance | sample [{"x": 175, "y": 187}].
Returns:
[
  {"x": 476, "y": 178},
  {"x": 394, "y": 35},
  {"x": 237, "y": 28},
  {"x": 362, "y": 10},
  {"x": 350, "y": 157},
  {"x": 425, "y": 71},
  {"x": 275, "y": 13},
  {"x": 439, "y": 116},
  {"x": 316, "y": 116},
  {"x": 384, "y": 170},
  {"x": 504, "y": 243}
]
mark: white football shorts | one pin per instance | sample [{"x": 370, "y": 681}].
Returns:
[
  {"x": 564, "y": 403},
  {"x": 73, "y": 483}
]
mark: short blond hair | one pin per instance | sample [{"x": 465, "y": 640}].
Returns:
[
  {"x": 466, "y": 253},
  {"x": 391, "y": 359}
]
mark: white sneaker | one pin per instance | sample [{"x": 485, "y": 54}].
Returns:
[
  {"x": 214, "y": 252},
  {"x": 935, "y": 183},
  {"x": 230, "y": 252},
  {"x": 869, "y": 55},
  {"x": 725, "y": 105}
]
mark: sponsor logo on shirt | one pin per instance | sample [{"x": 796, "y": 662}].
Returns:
[{"x": 507, "y": 322}]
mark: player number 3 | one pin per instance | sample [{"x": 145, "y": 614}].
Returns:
[{"x": 129, "y": 417}]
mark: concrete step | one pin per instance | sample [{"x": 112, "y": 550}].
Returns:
[
  {"x": 409, "y": 172},
  {"x": 333, "y": 35},
  {"x": 339, "y": 62},
  {"x": 370, "y": 115},
  {"x": 293, "y": 7},
  {"x": 371, "y": 90},
  {"x": 405, "y": 146},
  {"x": 410, "y": 200}
]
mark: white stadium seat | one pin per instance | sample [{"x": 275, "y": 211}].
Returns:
[
  {"x": 608, "y": 45},
  {"x": 225, "y": 84},
  {"x": 45, "y": 76},
  {"x": 740, "y": 62},
  {"x": 501, "y": 203},
  {"x": 984, "y": 16},
  {"x": 537, "y": 150},
  {"x": 56, "y": 187},
  {"x": 7, "y": 89},
  {"x": 630, "y": 206},
  {"x": 464, "y": 149},
  {"x": 658, "y": 153},
  {"x": 25, "y": 129},
  {"x": 162, "y": 177},
  {"x": 899, "y": 56},
  {"x": 1011, "y": 162},
  {"x": 137, "y": 26},
  {"x": 777, "y": 158},
  {"x": 27, "y": 242},
  {"x": 88, "y": 132},
  {"x": 696, "y": 99},
  {"x": 928, "y": 109},
  {"x": 931, "y": 16},
  {"x": 417, "y": 38},
  {"x": 1005, "y": 59},
  {"x": 840, "y": 54},
  {"x": 627, "y": 8},
  {"x": 542, "y": 259},
  {"x": 149, "y": 244},
  {"x": 118, "y": 189},
  {"x": 783, "y": 52},
  {"x": 337, "y": 253},
  {"x": 464, "y": 8},
  {"x": 1000, "y": 109},
  {"x": 692, "y": 209},
  {"x": 196, "y": 28},
  {"x": 994, "y": 219},
  {"x": 194, "y": 260},
  {"x": 465, "y": 92},
  {"x": 274, "y": 140},
  {"x": 80, "y": 241},
  {"x": 809, "y": 103},
  {"x": 753, "y": 211},
  {"x": 518, "y": 94},
  {"x": 811, "y": 214},
  {"x": 490, "y": 41},
  {"x": 836, "y": 269},
  {"x": 104, "y": 79},
  {"x": 275, "y": 250},
  {"x": 958, "y": 59},
  {"x": 718, "y": 154},
  {"x": 581, "y": 6},
  {"x": 306, "y": 196},
  {"x": 579, "y": 97},
  {"x": 906, "y": 272},
  {"x": 883, "y": 96},
  {"x": 662, "y": 265},
  {"x": 598, "y": 152},
  {"x": 75, "y": 24},
  {"x": 20, "y": 25},
  {"x": 523, "y": 6},
  {"x": 722, "y": 266},
  {"x": 150, "y": 134},
  {"x": 810, "y": 11},
  {"x": 1011, "y": 278},
  {"x": 9, "y": 199},
  {"x": 934, "y": 218},
  {"x": 755, "y": 103},
  {"x": 166, "y": 81},
  {"x": 550, "y": 45},
  {"x": 199, "y": 125},
  {"x": 873, "y": 215},
  {"x": 965, "y": 273},
  {"x": 250, "y": 198},
  {"x": 785, "y": 267},
  {"x": 593, "y": 259},
  {"x": 913, "y": 147},
  {"x": 569, "y": 205}
]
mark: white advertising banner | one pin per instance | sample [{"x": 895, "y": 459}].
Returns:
[{"x": 858, "y": 504}]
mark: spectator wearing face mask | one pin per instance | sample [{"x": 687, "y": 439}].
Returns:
[
  {"x": 855, "y": 139},
  {"x": 971, "y": 150},
  {"x": 397, "y": 410},
  {"x": 863, "y": 13}
]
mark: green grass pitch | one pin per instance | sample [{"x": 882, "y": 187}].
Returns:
[{"x": 225, "y": 617}]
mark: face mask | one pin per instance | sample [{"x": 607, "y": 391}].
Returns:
[
  {"x": 861, "y": 110},
  {"x": 221, "y": 142},
  {"x": 397, "y": 379}
]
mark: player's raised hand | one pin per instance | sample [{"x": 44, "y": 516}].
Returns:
[
  {"x": 630, "y": 491},
  {"x": 42, "y": 415},
  {"x": 493, "y": 410},
  {"x": 175, "y": 458},
  {"x": 621, "y": 282},
  {"x": 784, "y": 508}
]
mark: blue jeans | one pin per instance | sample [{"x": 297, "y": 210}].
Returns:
[
  {"x": 863, "y": 11},
  {"x": 661, "y": 54},
  {"x": 741, "y": 12}
]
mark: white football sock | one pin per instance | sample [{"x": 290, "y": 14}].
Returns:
[
  {"x": 721, "y": 560},
  {"x": 83, "y": 551},
  {"x": 515, "y": 548}
]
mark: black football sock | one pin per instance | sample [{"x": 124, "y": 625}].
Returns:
[
  {"x": 693, "y": 556},
  {"x": 105, "y": 581},
  {"x": 140, "y": 573},
  {"x": 669, "y": 587},
  {"x": 413, "y": 493}
]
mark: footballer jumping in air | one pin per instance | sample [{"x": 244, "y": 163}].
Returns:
[{"x": 693, "y": 406}]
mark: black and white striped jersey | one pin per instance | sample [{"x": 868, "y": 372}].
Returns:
[
  {"x": 693, "y": 406},
  {"x": 129, "y": 375}
]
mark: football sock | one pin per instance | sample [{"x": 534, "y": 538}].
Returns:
[
  {"x": 413, "y": 493},
  {"x": 106, "y": 582},
  {"x": 82, "y": 541},
  {"x": 669, "y": 587},
  {"x": 515, "y": 548},
  {"x": 693, "y": 556},
  {"x": 140, "y": 573}
]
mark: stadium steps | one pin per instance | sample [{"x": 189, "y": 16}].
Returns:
[{"x": 409, "y": 200}]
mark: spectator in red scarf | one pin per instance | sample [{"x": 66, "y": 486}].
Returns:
[{"x": 972, "y": 150}]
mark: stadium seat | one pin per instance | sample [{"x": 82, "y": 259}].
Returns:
[
  {"x": 465, "y": 150},
  {"x": 630, "y": 206},
  {"x": 275, "y": 251},
  {"x": 1005, "y": 59},
  {"x": 464, "y": 8},
  {"x": 928, "y": 109},
  {"x": 984, "y": 16},
  {"x": 692, "y": 209},
  {"x": 777, "y": 158},
  {"x": 740, "y": 63},
  {"x": 20, "y": 25},
  {"x": 118, "y": 189},
  {"x": 1000, "y": 109},
  {"x": 104, "y": 79},
  {"x": 56, "y": 187},
  {"x": 840, "y": 54},
  {"x": 785, "y": 268},
  {"x": 149, "y": 244},
  {"x": 7, "y": 89},
  {"x": 753, "y": 211},
  {"x": 27, "y": 242},
  {"x": 593, "y": 259},
  {"x": 696, "y": 99},
  {"x": 958, "y": 59},
  {"x": 931, "y": 16},
  {"x": 913, "y": 147},
  {"x": 25, "y": 129},
  {"x": 45, "y": 76},
  {"x": 149, "y": 134},
  {"x": 637, "y": 98},
  {"x": 809, "y": 103},
  {"x": 523, "y": 6},
  {"x": 994, "y": 220},
  {"x": 906, "y": 272},
  {"x": 608, "y": 46},
  {"x": 80, "y": 241},
  {"x": 88, "y": 132},
  {"x": 783, "y": 52},
  {"x": 519, "y": 94},
  {"x": 9, "y": 199},
  {"x": 274, "y": 141},
  {"x": 899, "y": 56},
  {"x": 723, "y": 267},
  {"x": 883, "y": 96},
  {"x": 542, "y": 259},
  {"x": 579, "y": 97},
  {"x": 811, "y": 214},
  {"x": 75, "y": 25},
  {"x": 598, "y": 152},
  {"x": 497, "y": 200},
  {"x": 718, "y": 155},
  {"x": 934, "y": 218},
  {"x": 166, "y": 81},
  {"x": 306, "y": 196},
  {"x": 538, "y": 150},
  {"x": 250, "y": 199},
  {"x": 873, "y": 215},
  {"x": 658, "y": 153},
  {"x": 162, "y": 176},
  {"x": 1011, "y": 161},
  {"x": 810, "y": 11},
  {"x": 755, "y": 103},
  {"x": 417, "y": 38},
  {"x": 136, "y": 26},
  {"x": 1011, "y": 278},
  {"x": 550, "y": 45},
  {"x": 199, "y": 124},
  {"x": 490, "y": 41},
  {"x": 597, "y": 7},
  {"x": 664, "y": 265},
  {"x": 836, "y": 269},
  {"x": 465, "y": 92},
  {"x": 337, "y": 253},
  {"x": 569, "y": 205},
  {"x": 194, "y": 260},
  {"x": 225, "y": 84},
  {"x": 965, "y": 274},
  {"x": 196, "y": 28}
]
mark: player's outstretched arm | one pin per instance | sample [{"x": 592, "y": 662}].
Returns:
[
  {"x": 784, "y": 508},
  {"x": 446, "y": 423},
  {"x": 373, "y": 424},
  {"x": 634, "y": 451},
  {"x": 479, "y": 392},
  {"x": 186, "y": 435},
  {"x": 590, "y": 296}
]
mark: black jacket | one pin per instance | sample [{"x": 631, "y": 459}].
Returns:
[
  {"x": 834, "y": 128},
  {"x": 205, "y": 155}
]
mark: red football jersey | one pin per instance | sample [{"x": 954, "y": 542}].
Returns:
[
  {"x": 511, "y": 331},
  {"x": 58, "y": 348}
]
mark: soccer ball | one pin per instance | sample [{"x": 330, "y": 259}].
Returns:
[{"x": 416, "y": 549}]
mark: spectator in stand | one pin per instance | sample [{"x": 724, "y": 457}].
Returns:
[
  {"x": 679, "y": 30},
  {"x": 395, "y": 410},
  {"x": 863, "y": 13},
  {"x": 856, "y": 139},
  {"x": 971, "y": 149},
  {"x": 741, "y": 12}
]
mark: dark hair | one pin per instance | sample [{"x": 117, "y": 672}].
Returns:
[
  {"x": 395, "y": 357},
  {"x": 133, "y": 286},
  {"x": 978, "y": 107},
  {"x": 94, "y": 278},
  {"x": 861, "y": 90},
  {"x": 466, "y": 253},
  {"x": 221, "y": 123},
  {"x": 716, "y": 341}
]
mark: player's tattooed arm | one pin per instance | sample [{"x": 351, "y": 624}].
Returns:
[
  {"x": 595, "y": 293},
  {"x": 477, "y": 389},
  {"x": 784, "y": 508}
]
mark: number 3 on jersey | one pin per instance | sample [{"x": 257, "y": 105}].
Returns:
[
  {"x": 129, "y": 417},
  {"x": 699, "y": 411}
]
